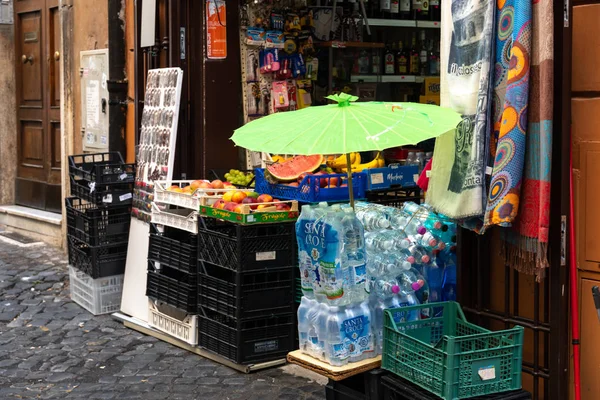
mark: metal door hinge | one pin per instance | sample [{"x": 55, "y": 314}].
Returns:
[{"x": 563, "y": 240}]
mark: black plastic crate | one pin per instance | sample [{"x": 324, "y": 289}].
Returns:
[
  {"x": 394, "y": 197},
  {"x": 173, "y": 287},
  {"x": 396, "y": 388},
  {"x": 101, "y": 168},
  {"x": 97, "y": 261},
  {"x": 364, "y": 386},
  {"x": 246, "y": 247},
  {"x": 175, "y": 248},
  {"x": 246, "y": 341},
  {"x": 106, "y": 194},
  {"x": 244, "y": 295},
  {"x": 97, "y": 225}
]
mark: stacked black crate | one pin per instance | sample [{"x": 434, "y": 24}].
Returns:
[
  {"x": 246, "y": 289},
  {"x": 172, "y": 268},
  {"x": 98, "y": 219}
]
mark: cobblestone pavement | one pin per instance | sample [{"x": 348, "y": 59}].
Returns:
[{"x": 50, "y": 348}]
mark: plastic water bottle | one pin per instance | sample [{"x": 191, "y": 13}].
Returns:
[
  {"x": 427, "y": 240},
  {"x": 321, "y": 315},
  {"x": 378, "y": 242},
  {"x": 420, "y": 160},
  {"x": 357, "y": 332},
  {"x": 398, "y": 219},
  {"x": 385, "y": 287},
  {"x": 412, "y": 281},
  {"x": 355, "y": 255},
  {"x": 336, "y": 353},
  {"x": 334, "y": 273},
  {"x": 305, "y": 324},
  {"x": 304, "y": 232},
  {"x": 411, "y": 158},
  {"x": 372, "y": 219},
  {"x": 315, "y": 245},
  {"x": 417, "y": 254},
  {"x": 401, "y": 261}
]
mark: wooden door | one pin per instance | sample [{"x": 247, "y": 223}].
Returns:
[{"x": 37, "y": 45}]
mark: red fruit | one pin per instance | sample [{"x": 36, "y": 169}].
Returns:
[
  {"x": 265, "y": 198},
  {"x": 334, "y": 181},
  {"x": 295, "y": 184},
  {"x": 219, "y": 204},
  {"x": 293, "y": 168},
  {"x": 230, "y": 206},
  {"x": 217, "y": 184},
  {"x": 252, "y": 201},
  {"x": 282, "y": 207}
]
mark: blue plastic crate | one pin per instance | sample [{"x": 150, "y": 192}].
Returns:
[
  {"x": 392, "y": 176},
  {"x": 309, "y": 190}
]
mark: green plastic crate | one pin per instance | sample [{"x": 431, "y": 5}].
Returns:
[{"x": 451, "y": 357}]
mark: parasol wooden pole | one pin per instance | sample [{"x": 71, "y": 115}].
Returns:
[{"x": 349, "y": 169}]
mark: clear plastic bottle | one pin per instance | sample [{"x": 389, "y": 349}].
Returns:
[
  {"x": 410, "y": 158},
  {"x": 321, "y": 316},
  {"x": 334, "y": 273},
  {"x": 355, "y": 255},
  {"x": 304, "y": 232},
  {"x": 372, "y": 219},
  {"x": 378, "y": 242},
  {"x": 336, "y": 353},
  {"x": 356, "y": 331},
  {"x": 305, "y": 324},
  {"x": 418, "y": 253}
]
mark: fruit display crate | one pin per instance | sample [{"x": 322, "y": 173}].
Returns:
[
  {"x": 246, "y": 247},
  {"x": 244, "y": 295},
  {"x": 310, "y": 189},
  {"x": 175, "y": 288},
  {"x": 394, "y": 197},
  {"x": 364, "y": 386},
  {"x": 97, "y": 261},
  {"x": 396, "y": 388},
  {"x": 181, "y": 218},
  {"x": 105, "y": 194},
  {"x": 182, "y": 326},
  {"x": 98, "y": 296},
  {"x": 97, "y": 225},
  {"x": 246, "y": 341},
  {"x": 163, "y": 195},
  {"x": 450, "y": 357},
  {"x": 101, "y": 168},
  {"x": 174, "y": 248},
  {"x": 245, "y": 214}
]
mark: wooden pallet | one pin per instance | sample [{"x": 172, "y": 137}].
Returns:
[{"x": 329, "y": 371}]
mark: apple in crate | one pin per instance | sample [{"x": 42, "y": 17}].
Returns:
[
  {"x": 196, "y": 184},
  {"x": 217, "y": 184},
  {"x": 228, "y": 185},
  {"x": 252, "y": 201},
  {"x": 219, "y": 204},
  {"x": 283, "y": 207},
  {"x": 264, "y": 198},
  {"x": 230, "y": 206}
]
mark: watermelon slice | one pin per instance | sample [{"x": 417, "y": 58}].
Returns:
[{"x": 293, "y": 168}]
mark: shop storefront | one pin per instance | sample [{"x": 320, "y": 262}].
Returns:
[{"x": 214, "y": 229}]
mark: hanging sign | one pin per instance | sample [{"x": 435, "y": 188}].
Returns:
[{"x": 216, "y": 30}]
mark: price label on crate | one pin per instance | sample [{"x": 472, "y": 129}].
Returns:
[
  {"x": 377, "y": 178},
  {"x": 266, "y": 255},
  {"x": 487, "y": 373}
]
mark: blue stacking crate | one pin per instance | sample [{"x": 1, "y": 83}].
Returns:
[{"x": 309, "y": 190}]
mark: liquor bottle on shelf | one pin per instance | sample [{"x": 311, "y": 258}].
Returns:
[
  {"x": 375, "y": 62},
  {"x": 385, "y": 6},
  {"x": 394, "y": 9},
  {"x": 435, "y": 11},
  {"x": 405, "y": 9},
  {"x": 389, "y": 66},
  {"x": 416, "y": 6},
  {"x": 363, "y": 62},
  {"x": 434, "y": 59},
  {"x": 401, "y": 60},
  {"x": 423, "y": 54},
  {"x": 421, "y": 8},
  {"x": 414, "y": 57}
]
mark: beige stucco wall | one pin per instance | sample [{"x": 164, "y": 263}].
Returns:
[
  {"x": 90, "y": 32},
  {"x": 8, "y": 116}
]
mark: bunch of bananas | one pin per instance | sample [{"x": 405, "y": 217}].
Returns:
[
  {"x": 279, "y": 159},
  {"x": 340, "y": 162},
  {"x": 340, "y": 165}
]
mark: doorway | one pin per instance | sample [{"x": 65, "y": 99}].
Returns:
[{"x": 37, "y": 45}]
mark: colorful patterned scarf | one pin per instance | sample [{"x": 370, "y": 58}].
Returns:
[
  {"x": 527, "y": 242},
  {"x": 511, "y": 89}
]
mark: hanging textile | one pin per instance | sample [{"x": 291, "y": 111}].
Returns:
[
  {"x": 527, "y": 242},
  {"x": 511, "y": 89},
  {"x": 456, "y": 186}
]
